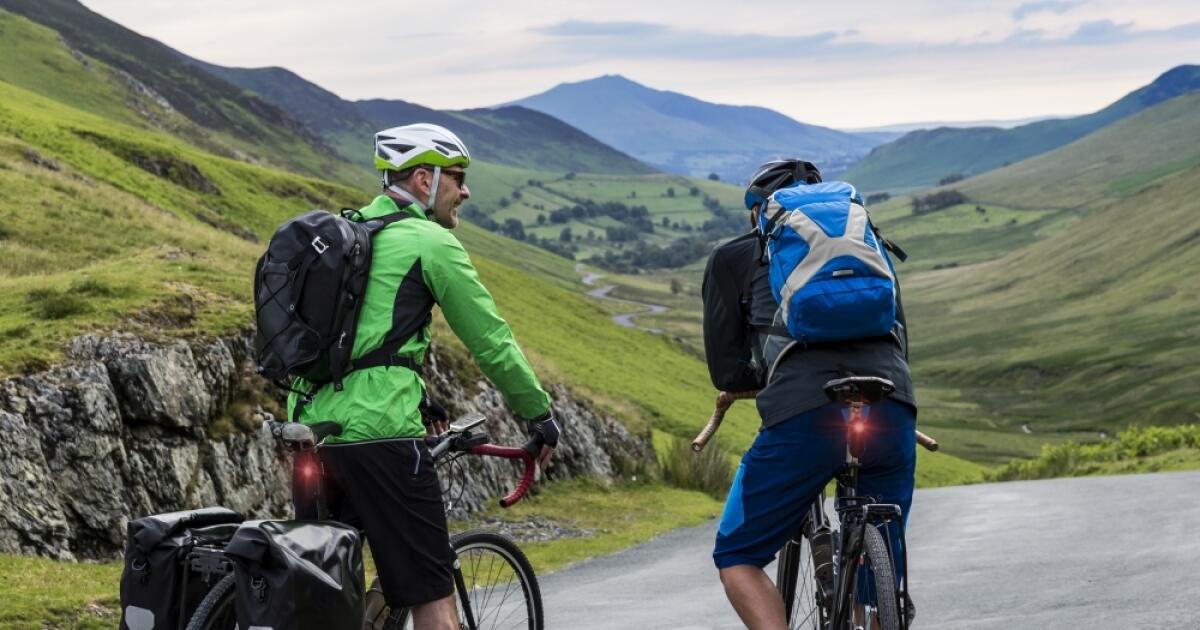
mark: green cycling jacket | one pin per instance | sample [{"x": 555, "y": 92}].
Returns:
[{"x": 415, "y": 264}]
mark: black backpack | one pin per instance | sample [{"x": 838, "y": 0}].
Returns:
[{"x": 308, "y": 293}]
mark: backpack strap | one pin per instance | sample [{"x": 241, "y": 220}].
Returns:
[
  {"x": 378, "y": 223},
  {"x": 341, "y": 366},
  {"x": 385, "y": 355},
  {"x": 890, "y": 246}
]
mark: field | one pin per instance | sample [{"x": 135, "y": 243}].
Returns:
[{"x": 530, "y": 198}]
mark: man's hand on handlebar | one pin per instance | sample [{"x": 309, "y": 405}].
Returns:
[
  {"x": 433, "y": 416},
  {"x": 543, "y": 438}
]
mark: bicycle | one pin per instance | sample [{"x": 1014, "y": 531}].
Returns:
[
  {"x": 495, "y": 584},
  {"x": 818, "y": 570}
]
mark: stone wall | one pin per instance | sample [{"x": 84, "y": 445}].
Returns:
[{"x": 126, "y": 427}]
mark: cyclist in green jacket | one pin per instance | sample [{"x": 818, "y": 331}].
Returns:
[{"x": 379, "y": 466}]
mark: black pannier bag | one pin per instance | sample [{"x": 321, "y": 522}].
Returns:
[
  {"x": 298, "y": 575},
  {"x": 153, "y": 591},
  {"x": 308, "y": 293}
]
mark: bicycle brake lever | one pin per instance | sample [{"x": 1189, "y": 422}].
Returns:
[{"x": 469, "y": 441}]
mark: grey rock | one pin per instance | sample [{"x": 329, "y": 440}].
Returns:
[
  {"x": 125, "y": 428},
  {"x": 32, "y": 521}
]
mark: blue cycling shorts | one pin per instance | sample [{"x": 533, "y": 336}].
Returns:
[{"x": 791, "y": 462}]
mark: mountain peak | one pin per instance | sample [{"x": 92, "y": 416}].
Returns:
[
  {"x": 605, "y": 81},
  {"x": 1176, "y": 81},
  {"x": 683, "y": 134}
]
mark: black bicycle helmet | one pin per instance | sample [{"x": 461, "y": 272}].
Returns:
[{"x": 777, "y": 174}]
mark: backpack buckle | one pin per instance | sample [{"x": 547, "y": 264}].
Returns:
[{"x": 319, "y": 245}]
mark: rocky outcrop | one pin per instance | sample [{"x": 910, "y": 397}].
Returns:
[{"x": 128, "y": 427}]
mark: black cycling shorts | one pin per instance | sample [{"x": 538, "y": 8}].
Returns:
[{"x": 389, "y": 489}]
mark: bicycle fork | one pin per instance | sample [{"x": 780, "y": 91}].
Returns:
[{"x": 464, "y": 598}]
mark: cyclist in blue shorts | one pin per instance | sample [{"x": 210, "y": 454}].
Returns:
[{"x": 801, "y": 445}]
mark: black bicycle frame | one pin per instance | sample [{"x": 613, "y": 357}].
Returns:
[{"x": 856, "y": 513}]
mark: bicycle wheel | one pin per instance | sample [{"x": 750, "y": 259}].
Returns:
[
  {"x": 216, "y": 611},
  {"x": 874, "y": 594},
  {"x": 498, "y": 584},
  {"x": 799, "y": 573}
]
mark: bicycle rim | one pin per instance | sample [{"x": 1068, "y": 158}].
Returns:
[
  {"x": 217, "y": 610},
  {"x": 881, "y": 608},
  {"x": 500, "y": 584},
  {"x": 796, "y": 578}
]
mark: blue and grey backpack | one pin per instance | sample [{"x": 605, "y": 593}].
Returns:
[{"x": 828, "y": 268}]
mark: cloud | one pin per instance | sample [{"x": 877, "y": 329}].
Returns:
[
  {"x": 579, "y": 28},
  {"x": 645, "y": 39},
  {"x": 1102, "y": 32},
  {"x": 1190, "y": 30},
  {"x": 1043, "y": 6}
]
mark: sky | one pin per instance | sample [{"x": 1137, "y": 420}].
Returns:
[{"x": 848, "y": 64}]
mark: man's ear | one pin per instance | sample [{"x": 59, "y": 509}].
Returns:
[{"x": 422, "y": 180}]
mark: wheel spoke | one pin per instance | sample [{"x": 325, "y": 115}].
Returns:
[{"x": 496, "y": 585}]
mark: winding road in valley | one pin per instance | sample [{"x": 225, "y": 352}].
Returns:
[
  {"x": 590, "y": 279},
  {"x": 1098, "y": 553}
]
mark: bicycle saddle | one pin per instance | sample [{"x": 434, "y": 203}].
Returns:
[
  {"x": 867, "y": 389},
  {"x": 302, "y": 437}
]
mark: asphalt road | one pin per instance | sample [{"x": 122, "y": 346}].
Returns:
[{"x": 1092, "y": 553}]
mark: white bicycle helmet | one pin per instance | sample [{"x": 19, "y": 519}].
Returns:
[{"x": 401, "y": 148}]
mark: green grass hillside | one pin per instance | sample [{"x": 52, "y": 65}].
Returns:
[
  {"x": 51, "y": 42},
  {"x": 1093, "y": 327},
  {"x": 922, "y": 158},
  {"x": 1045, "y": 196}
]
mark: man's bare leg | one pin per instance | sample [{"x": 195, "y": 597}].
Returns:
[
  {"x": 754, "y": 597},
  {"x": 439, "y": 614}
]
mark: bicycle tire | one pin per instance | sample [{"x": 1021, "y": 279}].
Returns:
[
  {"x": 806, "y": 606},
  {"x": 216, "y": 611},
  {"x": 485, "y": 560},
  {"x": 881, "y": 596}
]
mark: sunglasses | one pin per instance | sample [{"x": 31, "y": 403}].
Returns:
[{"x": 459, "y": 177}]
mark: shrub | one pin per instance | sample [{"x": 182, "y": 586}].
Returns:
[
  {"x": 708, "y": 471},
  {"x": 51, "y": 304},
  {"x": 937, "y": 201},
  {"x": 950, "y": 179},
  {"x": 91, "y": 287},
  {"x": 1072, "y": 460}
]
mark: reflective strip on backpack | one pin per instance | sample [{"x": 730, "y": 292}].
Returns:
[{"x": 138, "y": 618}]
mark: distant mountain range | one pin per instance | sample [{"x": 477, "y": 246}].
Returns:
[
  {"x": 903, "y": 128},
  {"x": 682, "y": 134},
  {"x": 923, "y": 158},
  {"x": 515, "y": 136},
  {"x": 275, "y": 117}
]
